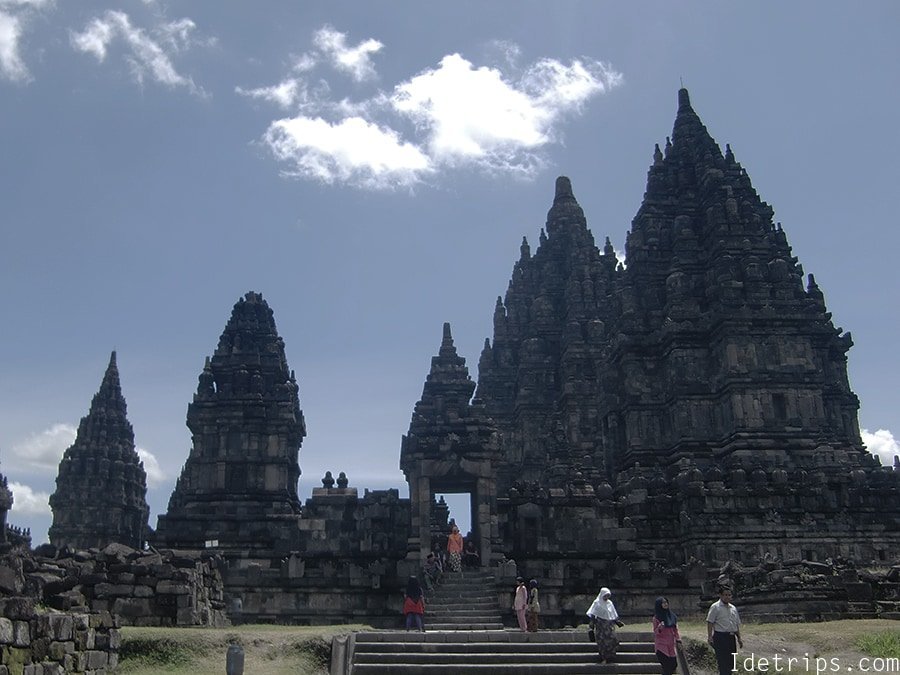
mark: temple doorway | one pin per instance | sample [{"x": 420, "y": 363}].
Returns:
[{"x": 459, "y": 505}]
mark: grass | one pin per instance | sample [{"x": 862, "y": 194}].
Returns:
[
  {"x": 305, "y": 650},
  {"x": 884, "y": 644},
  {"x": 274, "y": 650},
  {"x": 833, "y": 642}
]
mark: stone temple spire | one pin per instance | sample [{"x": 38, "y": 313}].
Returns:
[
  {"x": 536, "y": 377},
  {"x": 707, "y": 266},
  {"x": 448, "y": 387},
  {"x": 101, "y": 487},
  {"x": 239, "y": 484}
]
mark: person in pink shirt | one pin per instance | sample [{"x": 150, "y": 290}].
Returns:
[
  {"x": 520, "y": 603},
  {"x": 665, "y": 635}
]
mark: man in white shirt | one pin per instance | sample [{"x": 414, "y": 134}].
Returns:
[{"x": 723, "y": 629}]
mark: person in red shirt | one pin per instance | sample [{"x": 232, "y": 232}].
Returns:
[
  {"x": 665, "y": 635},
  {"x": 414, "y": 605}
]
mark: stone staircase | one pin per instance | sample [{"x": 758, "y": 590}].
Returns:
[
  {"x": 498, "y": 652},
  {"x": 464, "y": 601},
  {"x": 465, "y": 634}
]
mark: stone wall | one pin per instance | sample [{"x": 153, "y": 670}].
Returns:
[
  {"x": 350, "y": 569},
  {"x": 140, "y": 588},
  {"x": 55, "y": 643}
]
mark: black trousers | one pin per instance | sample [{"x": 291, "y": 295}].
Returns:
[
  {"x": 725, "y": 647},
  {"x": 669, "y": 663}
]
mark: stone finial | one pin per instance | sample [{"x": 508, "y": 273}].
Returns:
[
  {"x": 342, "y": 480},
  {"x": 525, "y": 249},
  {"x": 657, "y": 154},
  {"x": 684, "y": 98},
  {"x": 563, "y": 189},
  {"x": 328, "y": 480},
  {"x": 729, "y": 155},
  {"x": 608, "y": 248}
]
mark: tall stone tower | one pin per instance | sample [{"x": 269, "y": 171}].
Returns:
[
  {"x": 725, "y": 351},
  {"x": 542, "y": 377},
  {"x": 238, "y": 489},
  {"x": 101, "y": 487},
  {"x": 703, "y": 385},
  {"x": 6, "y": 502}
]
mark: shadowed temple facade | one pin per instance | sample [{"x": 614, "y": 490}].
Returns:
[{"x": 640, "y": 425}]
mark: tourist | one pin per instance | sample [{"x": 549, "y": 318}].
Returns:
[
  {"x": 414, "y": 605},
  {"x": 603, "y": 617},
  {"x": 470, "y": 555},
  {"x": 520, "y": 603},
  {"x": 432, "y": 572},
  {"x": 454, "y": 549},
  {"x": 723, "y": 630},
  {"x": 439, "y": 555},
  {"x": 665, "y": 635},
  {"x": 533, "y": 609}
]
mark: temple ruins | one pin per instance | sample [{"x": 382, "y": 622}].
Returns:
[{"x": 650, "y": 425}]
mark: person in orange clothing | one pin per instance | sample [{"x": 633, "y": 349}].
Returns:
[
  {"x": 454, "y": 549},
  {"x": 414, "y": 605}
]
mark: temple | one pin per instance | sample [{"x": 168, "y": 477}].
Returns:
[
  {"x": 101, "y": 486},
  {"x": 238, "y": 489},
  {"x": 650, "y": 424}
]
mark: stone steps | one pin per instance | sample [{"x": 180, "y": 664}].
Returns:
[
  {"x": 463, "y": 625},
  {"x": 464, "y": 601},
  {"x": 499, "y": 652}
]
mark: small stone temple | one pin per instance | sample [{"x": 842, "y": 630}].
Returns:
[
  {"x": 647, "y": 426},
  {"x": 237, "y": 491},
  {"x": 101, "y": 487}
]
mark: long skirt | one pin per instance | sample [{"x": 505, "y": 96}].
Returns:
[
  {"x": 455, "y": 561},
  {"x": 605, "y": 635},
  {"x": 531, "y": 620}
]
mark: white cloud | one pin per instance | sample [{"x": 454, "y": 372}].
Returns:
[
  {"x": 148, "y": 54},
  {"x": 355, "y": 61},
  {"x": 155, "y": 475},
  {"x": 36, "y": 4},
  {"x": 284, "y": 94},
  {"x": 352, "y": 150},
  {"x": 28, "y": 502},
  {"x": 12, "y": 67},
  {"x": 477, "y": 115},
  {"x": 44, "y": 450},
  {"x": 882, "y": 444},
  {"x": 304, "y": 63},
  {"x": 453, "y": 115}
]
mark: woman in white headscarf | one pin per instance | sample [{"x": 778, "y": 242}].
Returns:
[{"x": 603, "y": 617}]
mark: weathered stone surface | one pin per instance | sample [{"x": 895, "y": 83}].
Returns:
[
  {"x": 238, "y": 489},
  {"x": 101, "y": 487}
]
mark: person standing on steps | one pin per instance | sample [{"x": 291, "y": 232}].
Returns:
[
  {"x": 665, "y": 636},
  {"x": 604, "y": 617},
  {"x": 723, "y": 630},
  {"x": 454, "y": 549},
  {"x": 533, "y": 609},
  {"x": 520, "y": 603},
  {"x": 414, "y": 605}
]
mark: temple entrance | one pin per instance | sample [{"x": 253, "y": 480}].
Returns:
[
  {"x": 451, "y": 449},
  {"x": 468, "y": 498},
  {"x": 459, "y": 510}
]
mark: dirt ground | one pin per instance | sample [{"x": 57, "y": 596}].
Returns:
[{"x": 821, "y": 648}]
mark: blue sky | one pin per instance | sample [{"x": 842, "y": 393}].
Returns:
[{"x": 371, "y": 169}]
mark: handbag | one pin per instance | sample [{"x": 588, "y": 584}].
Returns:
[{"x": 592, "y": 637}]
